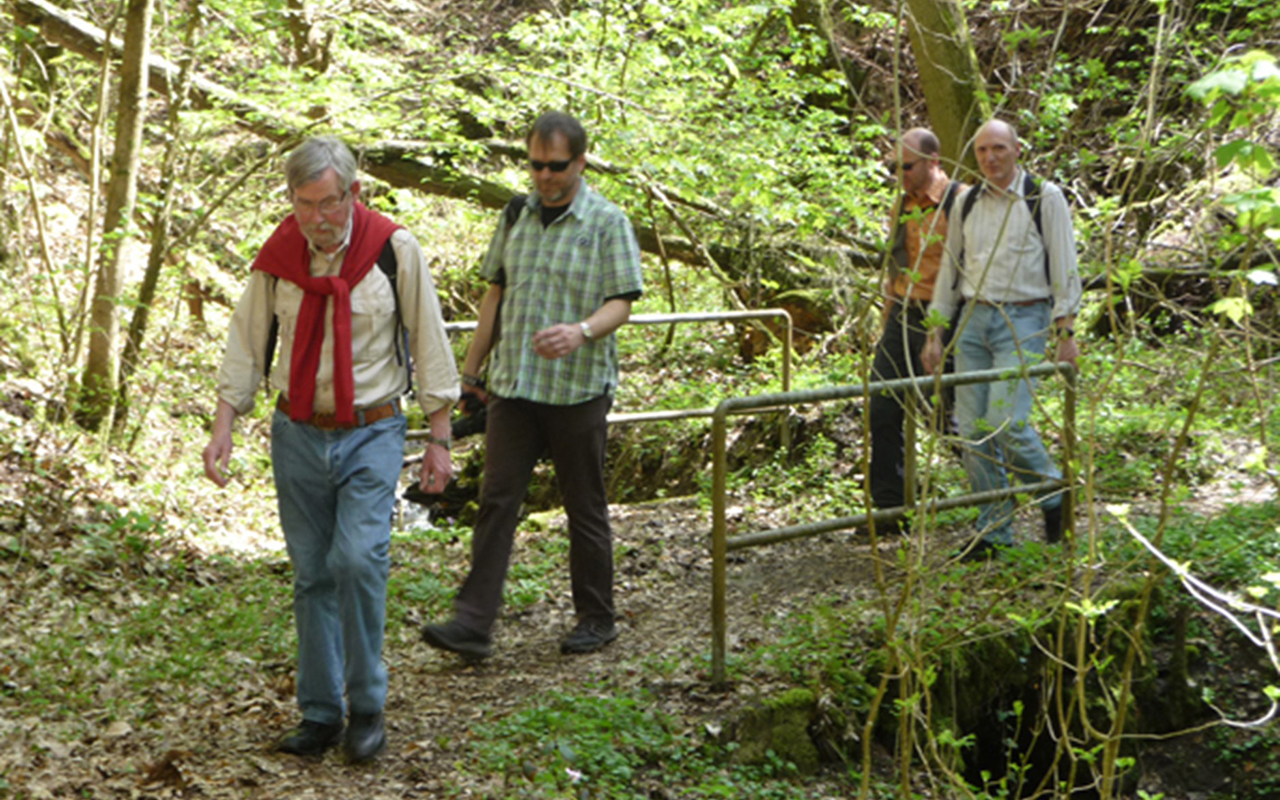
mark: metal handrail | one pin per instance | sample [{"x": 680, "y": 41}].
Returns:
[
  {"x": 720, "y": 542},
  {"x": 667, "y": 319}
]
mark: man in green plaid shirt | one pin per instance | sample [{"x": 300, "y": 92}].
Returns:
[{"x": 563, "y": 271}]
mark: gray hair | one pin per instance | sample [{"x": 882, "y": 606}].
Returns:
[{"x": 311, "y": 158}]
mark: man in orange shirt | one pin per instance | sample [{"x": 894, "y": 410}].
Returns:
[{"x": 919, "y": 231}]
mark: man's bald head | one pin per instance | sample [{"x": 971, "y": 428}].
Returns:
[
  {"x": 921, "y": 142},
  {"x": 997, "y": 148}
]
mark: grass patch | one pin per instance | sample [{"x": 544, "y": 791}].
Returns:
[{"x": 603, "y": 745}]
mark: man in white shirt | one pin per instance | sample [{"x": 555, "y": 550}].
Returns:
[
  {"x": 1010, "y": 258},
  {"x": 345, "y": 290}
]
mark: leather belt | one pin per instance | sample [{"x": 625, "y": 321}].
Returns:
[
  {"x": 1019, "y": 303},
  {"x": 329, "y": 422}
]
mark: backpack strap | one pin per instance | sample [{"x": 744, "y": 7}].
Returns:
[
  {"x": 949, "y": 197},
  {"x": 510, "y": 216},
  {"x": 511, "y": 213},
  {"x": 966, "y": 208},
  {"x": 898, "y": 242},
  {"x": 1031, "y": 194},
  {"x": 388, "y": 264}
]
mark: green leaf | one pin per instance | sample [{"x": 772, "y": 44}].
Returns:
[
  {"x": 1228, "y": 152},
  {"x": 1230, "y": 81},
  {"x": 729, "y": 65},
  {"x": 1235, "y": 308}
]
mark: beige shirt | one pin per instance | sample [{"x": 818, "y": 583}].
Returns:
[
  {"x": 1003, "y": 254},
  {"x": 378, "y": 377}
]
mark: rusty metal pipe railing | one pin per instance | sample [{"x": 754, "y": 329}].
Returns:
[
  {"x": 720, "y": 543},
  {"x": 667, "y": 319}
]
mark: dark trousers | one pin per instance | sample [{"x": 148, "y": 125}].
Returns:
[
  {"x": 517, "y": 433},
  {"x": 897, "y": 356}
]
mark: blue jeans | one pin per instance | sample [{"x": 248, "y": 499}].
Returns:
[
  {"x": 994, "y": 417},
  {"x": 336, "y": 490}
]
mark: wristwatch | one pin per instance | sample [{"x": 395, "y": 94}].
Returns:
[{"x": 586, "y": 331}]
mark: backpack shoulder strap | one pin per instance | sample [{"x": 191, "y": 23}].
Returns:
[
  {"x": 1031, "y": 194},
  {"x": 389, "y": 265},
  {"x": 511, "y": 213},
  {"x": 949, "y": 197},
  {"x": 970, "y": 200},
  {"x": 273, "y": 333},
  {"x": 966, "y": 208},
  {"x": 898, "y": 239}
]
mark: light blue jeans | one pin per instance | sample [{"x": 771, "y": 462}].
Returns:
[
  {"x": 336, "y": 490},
  {"x": 993, "y": 417}
]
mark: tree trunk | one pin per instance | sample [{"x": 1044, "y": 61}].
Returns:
[
  {"x": 949, "y": 75},
  {"x": 175, "y": 102},
  {"x": 98, "y": 387},
  {"x": 311, "y": 40}
]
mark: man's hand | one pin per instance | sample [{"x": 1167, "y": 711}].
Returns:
[
  {"x": 558, "y": 341},
  {"x": 218, "y": 452},
  {"x": 216, "y": 456},
  {"x": 437, "y": 469},
  {"x": 1068, "y": 350},
  {"x": 931, "y": 354}
]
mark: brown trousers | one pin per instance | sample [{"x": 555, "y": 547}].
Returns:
[{"x": 517, "y": 433}]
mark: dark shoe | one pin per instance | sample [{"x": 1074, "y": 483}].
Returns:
[
  {"x": 458, "y": 638},
  {"x": 588, "y": 637},
  {"x": 365, "y": 737},
  {"x": 982, "y": 551},
  {"x": 1053, "y": 524},
  {"x": 310, "y": 739}
]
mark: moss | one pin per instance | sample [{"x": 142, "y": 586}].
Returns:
[{"x": 779, "y": 724}]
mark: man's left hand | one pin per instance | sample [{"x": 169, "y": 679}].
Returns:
[
  {"x": 437, "y": 469},
  {"x": 1068, "y": 350},
  {"x": 558, "y": 341}
]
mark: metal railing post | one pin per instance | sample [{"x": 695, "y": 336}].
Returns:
[
  {"x": 1069, "y": 450},
  {"x": 719, "y": 549},
  {"x": 785, "y": 417},
  {"x": 909, "y": 449}
]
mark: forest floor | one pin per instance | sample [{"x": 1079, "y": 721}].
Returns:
[
  {"x": 203, "y": 744},
  {"x": 195, "y": 739},
  {"x": 199, "y": 743}
]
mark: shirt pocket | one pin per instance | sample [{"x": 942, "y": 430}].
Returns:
[
  {"x": 288, "y": 303},
  {"x": 373, "y": 308}
]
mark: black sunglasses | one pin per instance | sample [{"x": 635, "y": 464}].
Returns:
[
  {"x": 554, "y": 166},
  {"x": 906, "y": 166}
]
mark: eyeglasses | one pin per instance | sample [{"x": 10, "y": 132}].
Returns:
[
  {"x": 328, "y": 205},
  {"x": 554, "y": 166},
  {"x": 906, "y": 167}
]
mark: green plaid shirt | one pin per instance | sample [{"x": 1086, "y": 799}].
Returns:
[{"x": 559, "y": 274}]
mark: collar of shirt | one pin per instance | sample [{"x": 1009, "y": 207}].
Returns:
[
  {"x": 1013, "y": 190},
  {"x": 328, "y": 258},
  {"x": 576, "y": 206},
  {"x": 933, "y": 192}
]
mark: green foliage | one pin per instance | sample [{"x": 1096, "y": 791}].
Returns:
[
  {"x": 607, "y": 745},
  {"x": 120, "y": 651}
]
